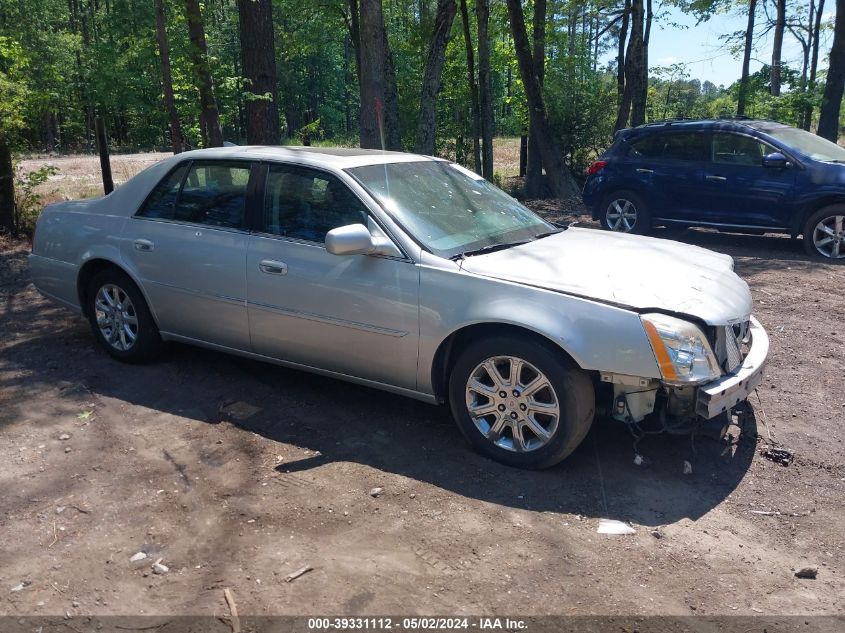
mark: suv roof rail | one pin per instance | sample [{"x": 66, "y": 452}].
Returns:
[{"x": 679, "y": 119}]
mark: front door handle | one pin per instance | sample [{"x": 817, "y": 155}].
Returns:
[
  {"x": 272, "y": 267},
  {"x": 143, "y": 245},
  {"x": 716, "y": 178},
  {"x": 643, "y": 170}
]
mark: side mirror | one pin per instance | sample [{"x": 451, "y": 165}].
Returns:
[
  {"x": 775, "y": 160},
  {"x": 356, "y": 239}
]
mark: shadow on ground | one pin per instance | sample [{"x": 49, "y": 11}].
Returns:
[{"x": 348, "y": 423}]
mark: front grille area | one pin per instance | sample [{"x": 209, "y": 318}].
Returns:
[{"x": 732, "y": 345}]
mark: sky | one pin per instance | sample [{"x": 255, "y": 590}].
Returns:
[{"x": 706, "y": 56}]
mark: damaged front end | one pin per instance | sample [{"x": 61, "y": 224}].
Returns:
[{"x": 705, "y": 373}]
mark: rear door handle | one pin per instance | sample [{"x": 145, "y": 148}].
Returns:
[
  {"x": 643, "y": 170},
  {"x": 143, "y": 245},
  {"x": 716, "y": 178},
  {"x": 272, "y": 267}
]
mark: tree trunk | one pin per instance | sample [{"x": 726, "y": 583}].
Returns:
[
  {"x": 641, "y": 97},
  {"x": 485, "y": 103},
  {"x": 620, "y": 54},
  {"x": 355, "y": 33},
  {"x": 633, "y": 66},
  {"x": 814, "y": 64},
  {"x": 7, "y": 189},
  {"x": 379, "y": 119},
  {"x": 560, "y": 180},
  {"x": 258, "y": 52},
  {"x": 835, "y": 83},
  {"x": 177, "y": 139},
  {"x": 473, "y": 88},
  {"x": 446, "y": 10},
  {"x": 534, "y": 163},
  {"x": 777, "y": 48},
  {"x": 746, "y": 59},
  {"x": 209, "y": 117},
  {"x": 391, "y": 99}
]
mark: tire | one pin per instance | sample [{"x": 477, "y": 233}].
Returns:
[
  {"x": 624, "y": 201},
  {"x": 114, "y": 285},
  {"x": 826, "y": 224},
  {"x": 492, "y": 434}
]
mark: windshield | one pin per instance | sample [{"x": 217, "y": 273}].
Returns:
[
  {"x": 447, "y": 208},
  {"x": 810, "y": 145}
]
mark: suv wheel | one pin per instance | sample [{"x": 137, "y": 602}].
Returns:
[
  {"x": 520, "y": 403},
  {"x": 824, "y": 232},
  {"x": 625, "y": 212}
]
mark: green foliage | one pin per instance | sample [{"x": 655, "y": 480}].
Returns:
[{"x": 27, "y": 201}]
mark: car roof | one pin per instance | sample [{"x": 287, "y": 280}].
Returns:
[
  {"x": 726, "y": 123},
  {"x": 337, "y": 157}
]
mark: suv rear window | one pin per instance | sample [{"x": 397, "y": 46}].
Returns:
[{"x": 685, "y": 146}]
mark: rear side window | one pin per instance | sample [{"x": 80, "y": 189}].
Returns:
[
  {"x": 162, "y": 201},
  {"x": 214, "y": 194},
  {"x": 209, "y": 193},
  {"x": 683, "y": 146}
]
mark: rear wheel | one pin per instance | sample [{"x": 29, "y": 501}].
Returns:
[
  {"x": 519, "y": 402},
  {"x": 120, "y": 318},
  {"x": 625, "y": 212},
  {"x": 824, "y": 232}
]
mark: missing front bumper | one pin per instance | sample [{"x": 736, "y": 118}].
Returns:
[{"x": 720, "y": 395}]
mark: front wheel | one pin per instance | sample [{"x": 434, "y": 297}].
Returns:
[
  {"x": 824, "y": 232},
  {"x": 519, "y": 402},
  {"x": 625, "y": 212}
]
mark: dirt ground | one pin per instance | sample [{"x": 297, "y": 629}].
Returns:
[{"x": 236, "y": 473}]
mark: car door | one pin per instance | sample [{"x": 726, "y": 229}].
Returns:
[
  {"x": 742, "y": 191},
  {"x": 187, "y": 245},
  {"x": 355, "y": 315},
  {"x": 669, "y": 168}
]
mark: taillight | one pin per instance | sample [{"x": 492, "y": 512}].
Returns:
[{"x": 596, "y": 166}]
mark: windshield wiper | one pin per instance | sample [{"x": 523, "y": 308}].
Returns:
[
  {"x": 487, "y": 249},
  {"x": 547, "y": 233},
  {"x": 836, "y": 160}
]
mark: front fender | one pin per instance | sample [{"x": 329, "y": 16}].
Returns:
[{"x": 597, "y": 336}]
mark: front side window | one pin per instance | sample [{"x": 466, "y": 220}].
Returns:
[
  {"x": 735, "y": 149},
  {"x": 209, "y": 193},
  {"x": 306, "y": 204},
  {"x": 449, "y": 209}
]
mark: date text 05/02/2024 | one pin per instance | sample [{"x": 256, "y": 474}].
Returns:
[{"x": 416, "y": 624}]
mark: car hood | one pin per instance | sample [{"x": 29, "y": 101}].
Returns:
[{"x": 643, "y": 273}]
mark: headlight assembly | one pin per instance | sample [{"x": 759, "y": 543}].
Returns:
[{"x": 682, "y": 351}]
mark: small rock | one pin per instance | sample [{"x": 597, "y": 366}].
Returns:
[
  {"x": 807, "y": 572},
  {"x": 413, "y": 495},
  {"x": 64, "y": 436},
  {"x": 67, "y": 449},
  {"x": 375, "y": 492},
  {"x": 656, "y": 533},
  {"x": 160, "y": 569},
  {"x": 75, "y": 604},
  {"x": 687, "y": 468},
  {"x": 136, "y": 557},
  {"x": 60, "y": 509},
  {"x": 18, "y": 587},
  {"x": 638, "y": 460}
]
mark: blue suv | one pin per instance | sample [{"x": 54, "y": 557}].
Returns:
[{"x": 735, "y": 175}]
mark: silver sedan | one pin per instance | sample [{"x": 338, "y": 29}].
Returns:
[{"x": 409, "y": 274}]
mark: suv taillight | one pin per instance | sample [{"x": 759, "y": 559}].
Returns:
[{"x": 596, "y": 166}]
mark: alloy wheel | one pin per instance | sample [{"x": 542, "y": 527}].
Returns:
[
  {"x": 512, "y": 403},
  {"x": 116, "y": 317},
  {"x": 621, "y": 215},
  {"x": 829, "y": 236}
]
